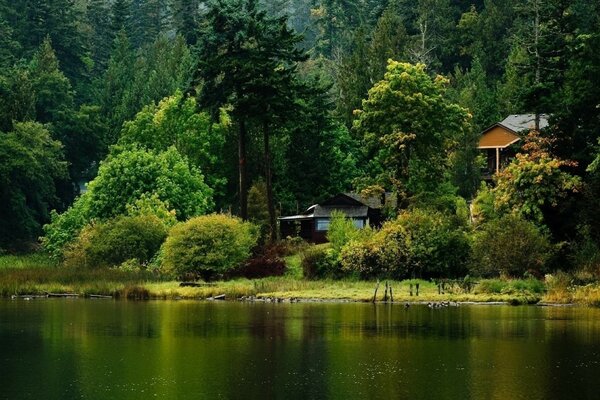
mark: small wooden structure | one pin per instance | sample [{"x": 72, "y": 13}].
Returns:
[
  {"x": 313, "y": 224},
  {"x": 497, "y": 140}
]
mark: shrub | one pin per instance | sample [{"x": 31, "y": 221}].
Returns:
[
  {"x": 260, "y": 267},
  {"x": 133, "y": 181},
  {"x": 116, "y": 241},
  {"x": 368, "y": 256},
  {"x": 64, "y": 228},
  {"x": 436, "y": 247},
  {"x": 208, "y": 246},
  {"x": 418, "y": 243},
  {"x": 317, "y": 262},
  {"x": 341, "y": 231},
  {"x": 510, "y": 246}
]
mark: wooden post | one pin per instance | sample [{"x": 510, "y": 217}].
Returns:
[
  {"x": 385, "y": 297},
  {"x": 417, "y": 285},
  {"x": 497, "y": 159},
  {"x": 375, "y": 294}
]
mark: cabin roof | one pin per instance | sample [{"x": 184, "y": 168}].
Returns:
[
  {"x": 351, "y": 204},
  {"x": 523, "y": 122},
  {"x": 506, "y": 132}
]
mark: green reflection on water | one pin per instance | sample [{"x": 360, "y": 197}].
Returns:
[{"x": 67, "y": 349}]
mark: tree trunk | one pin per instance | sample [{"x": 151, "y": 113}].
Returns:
[
  {"x": 269, "y": 183},
  {"x": 243, "y": 171}
]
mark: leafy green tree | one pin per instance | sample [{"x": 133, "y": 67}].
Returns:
[
  {"x": 124, "y": 177},
  {"x": 175, "y": 121},
  {"x": 31, "y": 163},
  {"x": 123, "y": 180},
  {"x": 534, "y": 181},
  {"x": 408, "y": 128},
  {"x": 389, "y": 41}
]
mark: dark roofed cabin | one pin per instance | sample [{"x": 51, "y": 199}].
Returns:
[
  {"x": 313, "y": 224},
  {"x": 496, "y": 140}
]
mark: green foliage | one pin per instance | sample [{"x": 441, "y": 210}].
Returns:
[
  {"x": 130, "y": 181},
  {"x": 125, "y": 177},
  {"x": 420, "y": 243},
  {"x": 208, "y": 246},
  {"x": 31, "y": 163},
  {"x": 341, "y": 231},
  {"x": 258, "y": 211},
  {"x": 175, "y": 121},
  {"x": 117, "y": 241},
  {"x": 510, "y": 246},
  {"x": 483, "y": 208},
  {"x": 151, "y": 204},
  {"x": 535, "y": 180},
  {"x": 317, "y": 263},
  {"x": 64, "y": 228},
  {"x": 133, "y": 81},
  {"x": 408, "y": 127}
]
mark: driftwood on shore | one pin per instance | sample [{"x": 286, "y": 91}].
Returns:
[{"x": 62, "y": 295}]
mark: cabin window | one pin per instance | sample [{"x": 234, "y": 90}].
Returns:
[
  {"x": 322, "y": 224},
  {"x": 359, "y": 223}
]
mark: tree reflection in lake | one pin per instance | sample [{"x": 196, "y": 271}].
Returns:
[{"x": 63, "y": 349}]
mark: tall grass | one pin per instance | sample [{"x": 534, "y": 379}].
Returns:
[{"x": 34, "y": 260}]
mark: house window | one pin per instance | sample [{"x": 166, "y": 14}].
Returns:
[
  {"x": 322, "y": 224},
  {"x": 359, "y": 223}
]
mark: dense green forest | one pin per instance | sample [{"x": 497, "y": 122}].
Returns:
[{"x": 260, "y": 108}]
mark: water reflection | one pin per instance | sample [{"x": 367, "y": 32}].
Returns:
[{"x": 63, "y": 349}]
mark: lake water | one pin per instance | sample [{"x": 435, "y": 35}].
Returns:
[{"x": 105, "y": 349}]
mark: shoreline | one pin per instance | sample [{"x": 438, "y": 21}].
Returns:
[{"x": 279, "y": 300}]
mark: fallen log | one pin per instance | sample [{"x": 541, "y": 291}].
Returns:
[{"x": 62, "y": 295}]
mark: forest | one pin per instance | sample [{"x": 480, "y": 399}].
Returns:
[{"x": 116, "y": 114}]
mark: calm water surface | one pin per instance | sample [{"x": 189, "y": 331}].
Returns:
[{"x": 104, "y": 349}]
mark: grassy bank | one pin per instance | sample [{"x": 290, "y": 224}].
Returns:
[{"x": 37, "y": 275}]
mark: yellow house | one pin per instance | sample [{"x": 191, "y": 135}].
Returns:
[{"x": 496, "y": 140}]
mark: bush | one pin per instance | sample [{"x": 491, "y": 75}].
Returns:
[
  {"x": 341, "y": 231},
  {"x": 261, "y": 266},
  {"x": 133, "y": 181},
  {"x": 418, "y": 243},
  {"x": 208, "y": 246},
  {"x": 117, "y": 241},
  {"x": 510, "y": 246},
  {"x": 369, "y": 256},
  {"x": 318, "y": 262}
]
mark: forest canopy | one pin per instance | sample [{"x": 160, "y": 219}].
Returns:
[{"x": 188, "y": 104}]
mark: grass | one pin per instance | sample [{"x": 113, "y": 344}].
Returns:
[
  {"x": 34, "y": 260},
  {"x": 38, "y": 274}
]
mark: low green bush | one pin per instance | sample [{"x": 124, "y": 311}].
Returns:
[
  {"x": 419, "y": 243},
  {"x": 117, "y": 240},
  {"x": 208, "y": 246},
  {"x": 510, "y": 246},
  {"x": 318, "y": 262}
]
